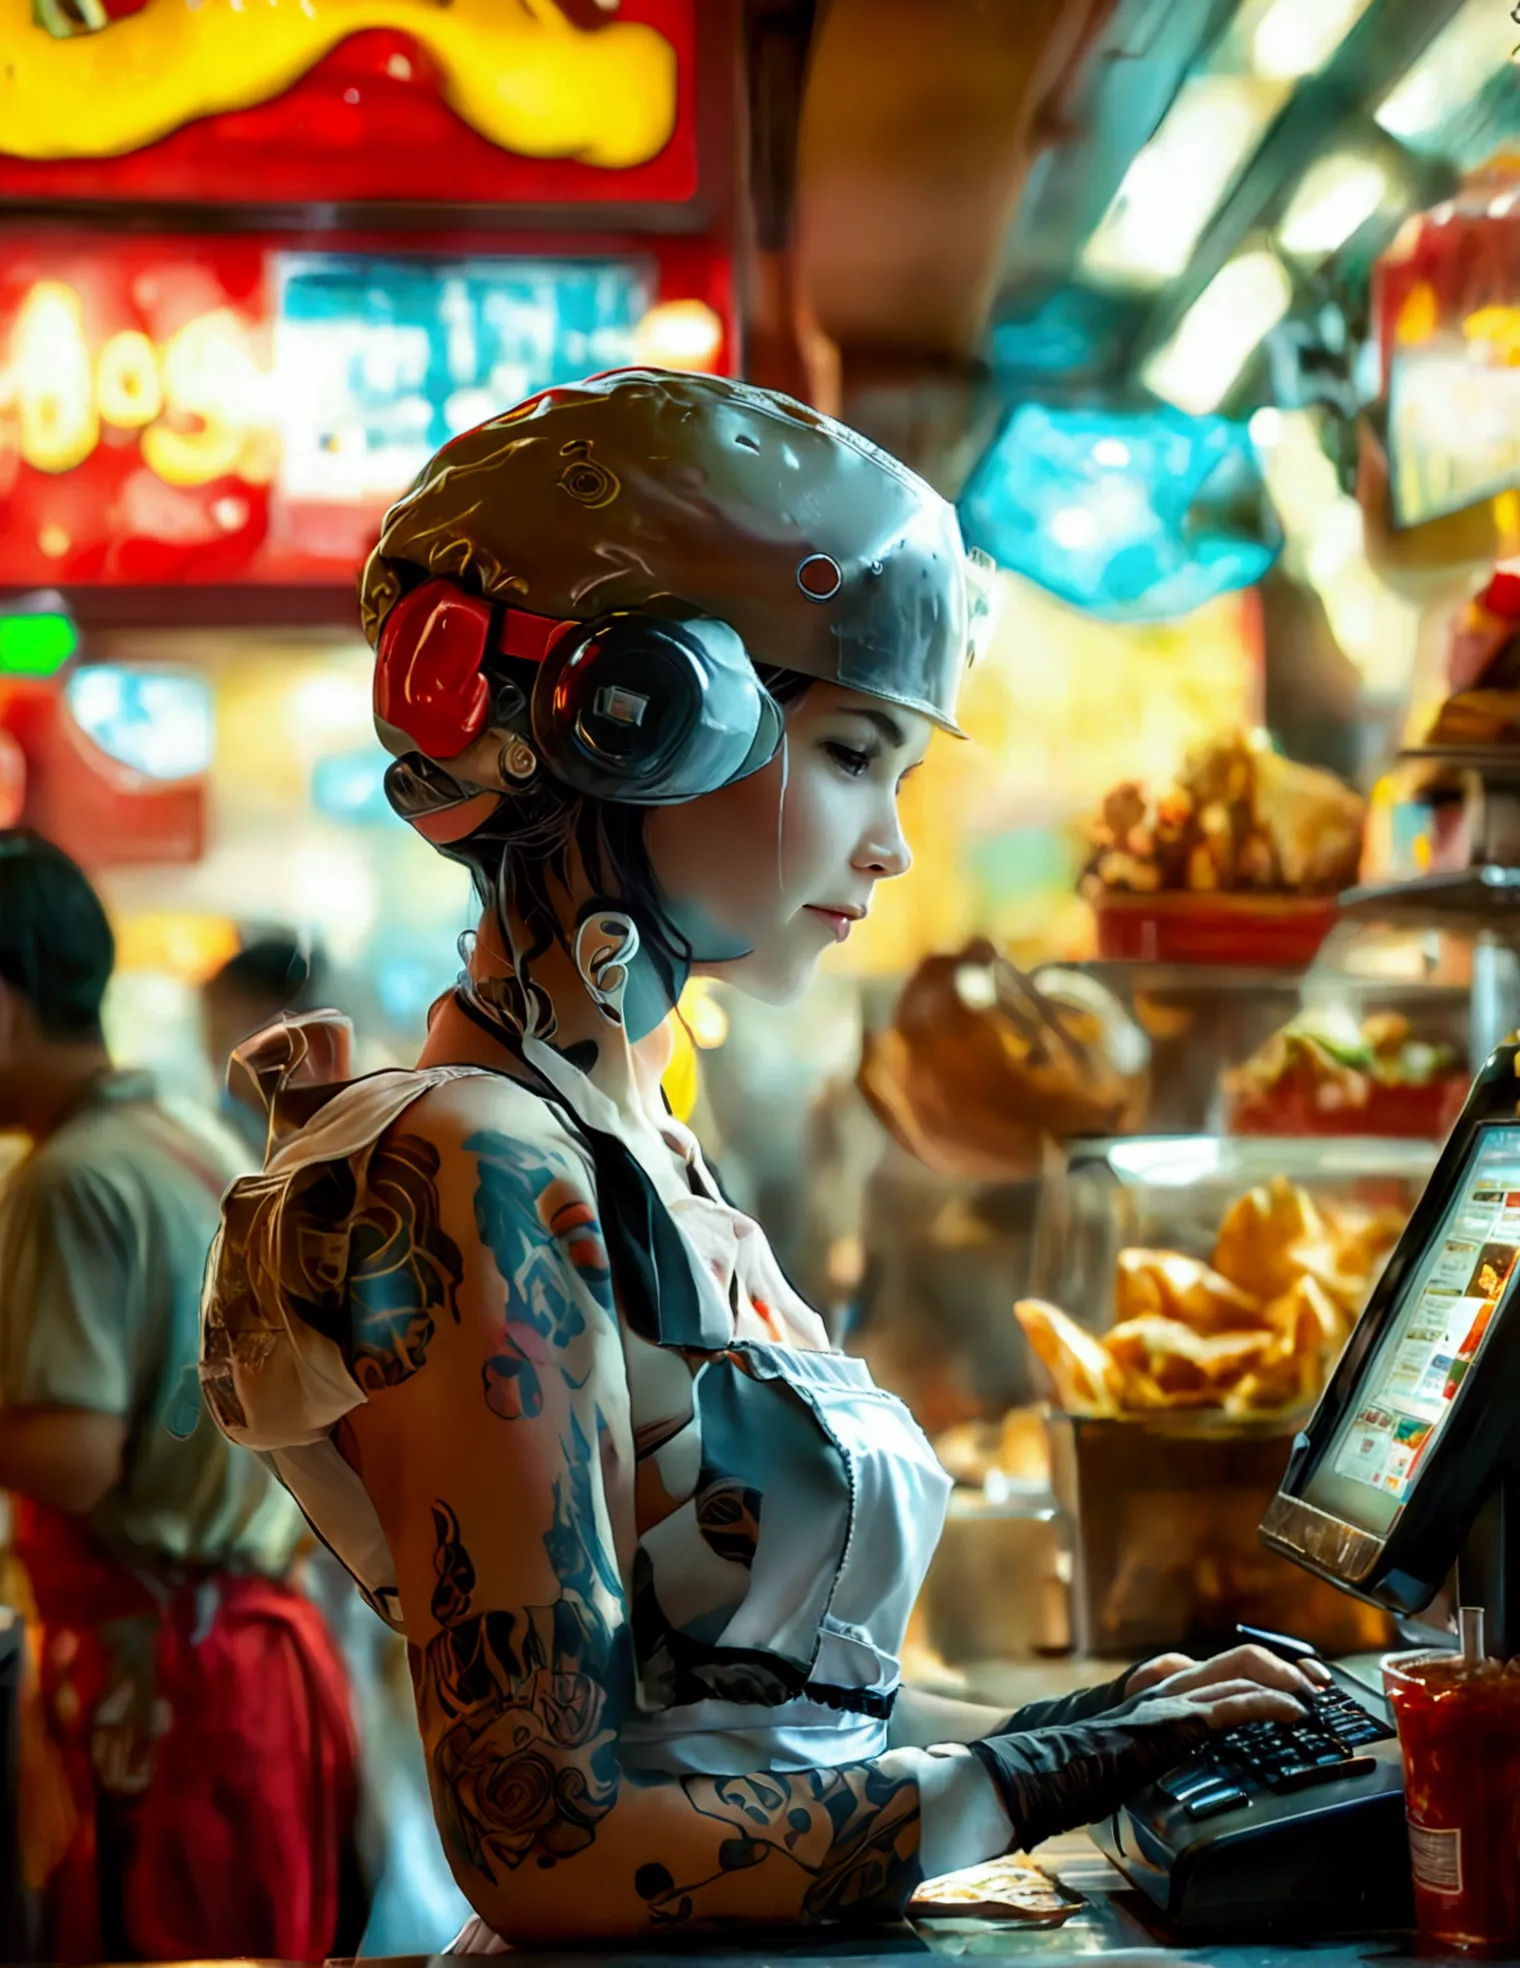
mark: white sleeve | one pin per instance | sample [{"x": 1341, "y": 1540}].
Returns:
[{"x": 961, "y": 1817}]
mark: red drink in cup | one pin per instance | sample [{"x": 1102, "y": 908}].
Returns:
[{"x": 1459, "y": 1731}]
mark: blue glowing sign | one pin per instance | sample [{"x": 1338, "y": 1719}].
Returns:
[
  {"x": 158, "y": 722},
  {"x": 351, "y": 786},
  {"x": 381, "y": 361},
  {"x": 1134, "y": 517}
]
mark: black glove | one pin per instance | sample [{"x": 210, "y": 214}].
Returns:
[
  {"x": 1055, "y": 1779},
  {"x": 1084, "y": 1706}
]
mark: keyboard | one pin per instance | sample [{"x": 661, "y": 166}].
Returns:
[{"x": 1331, "y": 1742}]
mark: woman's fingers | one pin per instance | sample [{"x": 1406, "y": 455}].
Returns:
[
  {"x": 1259, "y": 1664},
  {"x": 1223, "y": 1705},
  {"x": 1250, "y": 1704},
  {"x": 1254, "y": 1664},
  {"x": 1152, "y": 1673},
  {"x": 1217, "y": 1691}
]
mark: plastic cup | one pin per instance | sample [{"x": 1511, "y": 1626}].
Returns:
[{"x": 1459, "y": 1734}]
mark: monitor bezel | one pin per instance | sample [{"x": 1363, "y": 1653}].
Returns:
[{"x": 1403, "y": 1568}]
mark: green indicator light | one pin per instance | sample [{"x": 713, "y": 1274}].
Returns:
[{"x": 36, "y": 645}]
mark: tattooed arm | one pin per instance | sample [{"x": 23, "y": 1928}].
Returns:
[{"x": 496, "y": 1446}]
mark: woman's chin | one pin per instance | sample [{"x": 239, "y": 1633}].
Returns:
[{"x": 768, "y": 982}]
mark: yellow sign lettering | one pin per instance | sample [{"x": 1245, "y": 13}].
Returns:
[
  {"x": 54, "y": 387},
  {"x": 210, "y": 382},
  {"x": 126, "y": 381},
  {"x": 198, "y": 401}
]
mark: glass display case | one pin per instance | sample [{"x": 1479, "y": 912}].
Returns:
[
  {"x": 1216, "y": 1278},
  {"x": 1172, "y": 1193},
  {"x": 1205, "y": 1020}
]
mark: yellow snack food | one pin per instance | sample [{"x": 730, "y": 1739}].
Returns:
[
  {"x": 1086, "y": 1379},
  {"x": 1165, "y": 1284},
  {"x": 1166, "y": 1364},
  {"x": 1255, "y": 1333},
  {"x": 1259, "y": 1234}
]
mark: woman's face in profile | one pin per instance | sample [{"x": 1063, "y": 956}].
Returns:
[{"x": 782, "y": 863}]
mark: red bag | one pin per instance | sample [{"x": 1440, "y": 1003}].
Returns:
[{"x": 224, "y": 1824}]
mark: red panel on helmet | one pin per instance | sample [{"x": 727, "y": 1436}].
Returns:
[{"x": 429, "y": 672}]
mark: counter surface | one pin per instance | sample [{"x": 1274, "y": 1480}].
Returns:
[
  {"x": 1114, "y": 1927},
  {"x": 1109, "y": 1929}
]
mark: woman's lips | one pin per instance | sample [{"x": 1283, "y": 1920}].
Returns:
[{"x": 836, "y": 919}]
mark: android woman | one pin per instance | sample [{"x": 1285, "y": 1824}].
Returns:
[{"x": 654, "y": 655}]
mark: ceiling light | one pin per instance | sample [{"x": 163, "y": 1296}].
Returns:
[
  {"x": 1335, "y": 198},
  {"x": 1182, "y": 520},
  {"x": 1175, "y": 184},
  {"x": 1476, "y": 43},
  {"x": 1245, "y": 300},
  {"x": 1295, "y": 38}
]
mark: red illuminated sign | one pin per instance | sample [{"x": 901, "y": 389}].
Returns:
[
  {"x": 242, "y": 408},
  {"x": 475, "y": 102}
]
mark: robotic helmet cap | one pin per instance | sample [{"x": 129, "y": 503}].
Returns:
[{"x": 740, "y": 527}]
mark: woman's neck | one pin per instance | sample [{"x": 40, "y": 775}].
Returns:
[{"x": 628, "y": 1074}]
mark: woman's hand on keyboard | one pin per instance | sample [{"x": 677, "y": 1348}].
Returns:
[
  {"x": 1218, "y": 1704},
  {"x": 1180, "y": 1674},
  {"x": 1052, "y": 1779}
]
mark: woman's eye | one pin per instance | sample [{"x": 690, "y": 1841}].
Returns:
[{"x": 848, "y": 759}]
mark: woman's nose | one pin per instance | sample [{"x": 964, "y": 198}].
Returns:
[{"x": 885, "y": 854}]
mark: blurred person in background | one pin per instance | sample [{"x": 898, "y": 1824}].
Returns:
[
  {"x": 191, "y": 1732},
  {"x": 274, "y": 973}
]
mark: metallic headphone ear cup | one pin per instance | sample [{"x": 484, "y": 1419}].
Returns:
[
  {"x": 651, "y": 711},
  {"x": 767, "y": 739},
  {"x": 613, "y": 702}
]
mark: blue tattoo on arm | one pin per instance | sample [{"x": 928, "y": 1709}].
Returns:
[{"x": 535, "y": 1222}]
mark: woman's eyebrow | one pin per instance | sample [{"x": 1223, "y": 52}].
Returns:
[{"x": 885, "y": 723}]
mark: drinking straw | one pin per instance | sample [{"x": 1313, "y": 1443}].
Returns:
[{"x": 1470, "y": 1627}]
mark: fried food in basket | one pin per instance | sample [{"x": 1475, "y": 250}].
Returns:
[
  {"x": 1087, "y": 1379},
  {"x": 1165, "y": 1284},
  {"x": 1166, "y": 1364},
  {"x": 1366, "y": 1236},
  {"x": 1313, "y": 822},
  {"x": 1238, "y": 818},
  {"x": 1261, "y": 1233},
  {"x": 1255, "y": 1333}
]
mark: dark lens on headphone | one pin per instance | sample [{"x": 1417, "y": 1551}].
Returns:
[{"x": 643, "y": 703}]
